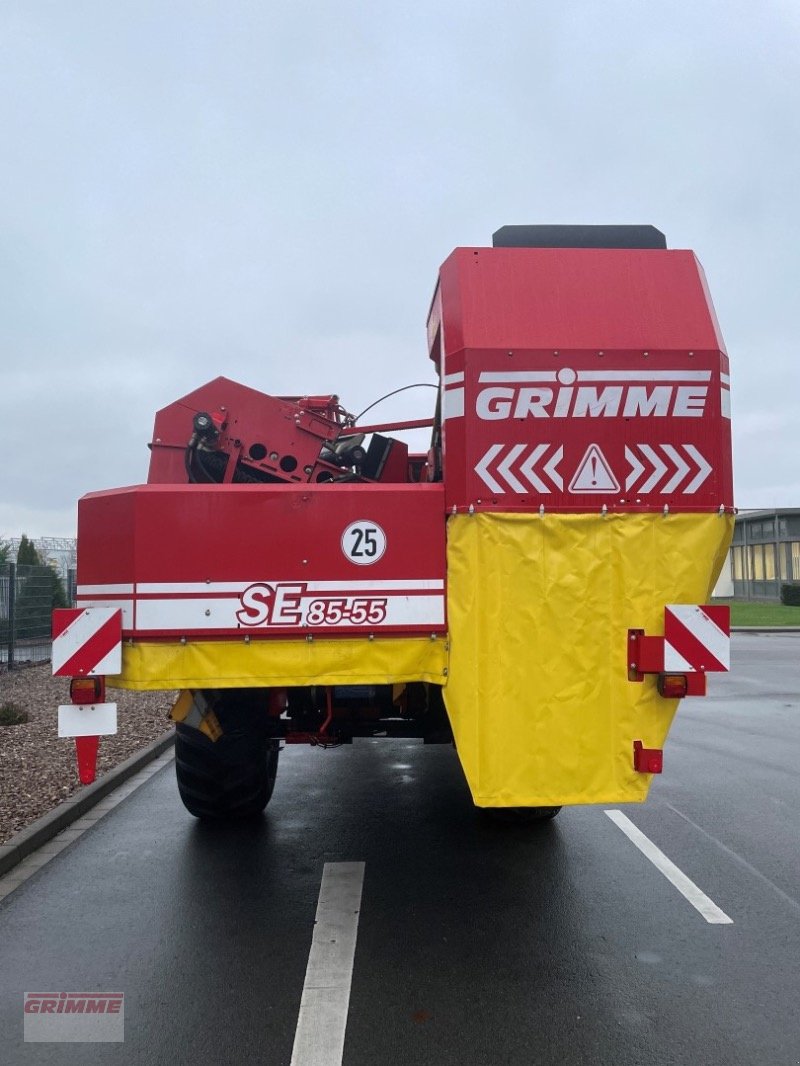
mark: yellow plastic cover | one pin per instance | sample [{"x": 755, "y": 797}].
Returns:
[
  {"x": 279, "y": 663},
  {"x": 538, "y": 609}
]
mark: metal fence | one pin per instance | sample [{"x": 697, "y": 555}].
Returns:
[{"x": 28, "y": 595}]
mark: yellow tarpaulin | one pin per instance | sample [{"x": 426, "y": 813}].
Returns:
[
  {"x": 539, "y": 608},
  {"x": 278, "y": 663}
]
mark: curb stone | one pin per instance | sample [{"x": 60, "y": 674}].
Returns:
[{"x": 49, "y": 825}]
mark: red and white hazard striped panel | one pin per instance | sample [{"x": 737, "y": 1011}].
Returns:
[
  {"x": 87, "y": 641},
  {"x": 696, "y": 639}
]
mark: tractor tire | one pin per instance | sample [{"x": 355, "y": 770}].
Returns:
[{"x": 231, "y": 778}]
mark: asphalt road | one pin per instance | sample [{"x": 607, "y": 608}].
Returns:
[{"x": 479, "y": 944}]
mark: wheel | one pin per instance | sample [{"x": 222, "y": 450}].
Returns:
[
  {"x": 234, "y": 776},
  {"x": 521, "y": 815}
]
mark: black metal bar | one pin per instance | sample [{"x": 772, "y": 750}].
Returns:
[{"x": 12, "y": 611}]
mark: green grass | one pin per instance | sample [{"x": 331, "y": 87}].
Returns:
[{"x": 762, "y": 614}]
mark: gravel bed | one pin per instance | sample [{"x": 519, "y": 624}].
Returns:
[{"x": 37, "y": 767}]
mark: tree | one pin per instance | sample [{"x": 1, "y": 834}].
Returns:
[
  {"x": 5, "y": 552},
  {"x": 39, "y": 590},
  {"x": 27, "y": 555},
  {"x": 58, "y": 594}
]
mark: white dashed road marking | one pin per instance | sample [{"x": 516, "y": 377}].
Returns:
[
  {"x": 319, "y": 1039},
  {"x": 698, "y": 899}
]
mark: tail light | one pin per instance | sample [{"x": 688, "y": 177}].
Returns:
[
  {"x": 676, "y": 686},
  {"x": 87, "y": 690},
  {"x": 673, "y": 686}
]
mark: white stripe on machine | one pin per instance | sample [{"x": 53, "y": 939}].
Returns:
[
  {"x": 104, "y": 590},
  {"x": 644, "y": 375},
  {"x": 302, "y": 610},
  {"x": 98, "y": 600},
  {"x": 453, "y": 405},
  {"x": 453, "y": 379},
  {"x": 491, "y": 376},
  {"x": 209, "y": 588}
]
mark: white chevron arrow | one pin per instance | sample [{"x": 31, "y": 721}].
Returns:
[
  {"x": 504, "y": 468},
  {"x": 637, "y": 469},
  {"x": 551, "y": 468},
  {"x": 482, "y": 469},
  {"x": 659, "y": 468},
  {"x": 703, "y": 471},
  {"x": 527, "y": 467},
  {"x": 682, "y": 468}
]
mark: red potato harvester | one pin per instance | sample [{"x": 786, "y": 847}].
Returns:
[{"x": 532, "y": 588}]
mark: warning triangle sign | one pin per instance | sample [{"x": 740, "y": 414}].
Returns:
[{"x": 593, "y": 473}]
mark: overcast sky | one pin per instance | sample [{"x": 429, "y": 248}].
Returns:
[{"x": 266, "y": 190}]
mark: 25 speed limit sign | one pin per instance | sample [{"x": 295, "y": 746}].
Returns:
[{"x": 363, "y": 542}]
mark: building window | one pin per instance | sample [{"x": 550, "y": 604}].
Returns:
[
  {"x": 795, "y": 546},
  {"x": 738, "y": 564},
  {"x": 757, "y": 562},
  {"x": 763, "y": 530},
  {"x": 769, "y": 562}
]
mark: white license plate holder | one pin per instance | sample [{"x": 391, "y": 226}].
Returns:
[{"x": 87, "y": 720}]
